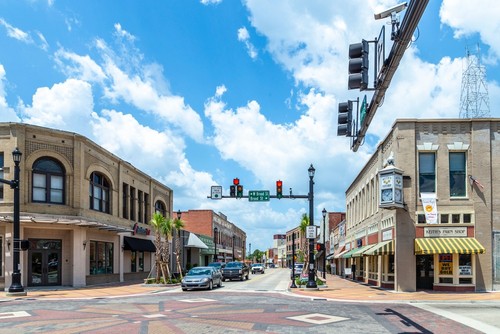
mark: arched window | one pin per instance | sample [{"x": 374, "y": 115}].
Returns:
[
  {"x": 160, "y": 207},
  {"x": 99, "y": 192},
  {"x": 48, "y": 181}
]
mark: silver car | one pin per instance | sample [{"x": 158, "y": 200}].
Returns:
[{"x": 202, "y": 278}]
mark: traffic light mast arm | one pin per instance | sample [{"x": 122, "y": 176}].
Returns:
[{"x": 413, "y": 14}]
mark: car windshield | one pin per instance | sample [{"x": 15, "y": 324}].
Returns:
[
  {"x": 233, "y": 265},
  {"x": 256, "y": 265},
  {"x": 215, "y": 264},
  {"x": 199, "y": 271}
]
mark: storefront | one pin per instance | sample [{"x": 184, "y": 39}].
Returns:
[
  {"x": 447, "y": 264},
  {"x": 381, "y": 264}
]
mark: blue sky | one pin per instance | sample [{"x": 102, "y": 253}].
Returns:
[{"x": 210, "y": 90}]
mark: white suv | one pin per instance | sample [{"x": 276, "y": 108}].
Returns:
[{"x": 298, "y": 269}]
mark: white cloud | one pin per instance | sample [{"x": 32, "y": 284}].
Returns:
[
  {"x": 7, "y": 114},
  {"x": 16, "y": 33},
  {"x": 210, "y": 2},
  {"x": 67, "y": 105},
  {"x": 244, "y": 36},
  {"x": 468, "y": 18},
  {"x": 80, "y": 67}
]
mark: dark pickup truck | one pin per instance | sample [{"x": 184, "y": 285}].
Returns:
[{"x": 235, "y": 270}]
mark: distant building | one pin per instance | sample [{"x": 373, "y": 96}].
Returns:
[{"x": 229, "y": 239}]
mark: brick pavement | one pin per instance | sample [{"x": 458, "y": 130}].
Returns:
[{"x": 337, "y": 288}]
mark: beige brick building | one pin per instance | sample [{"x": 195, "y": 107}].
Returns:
[
  {"x": 84, "y": 210},
  {"x": 455, "y": 163}
]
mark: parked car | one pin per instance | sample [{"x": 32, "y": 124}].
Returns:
[
  {"x": 235, "y": 270},
  {"x": 218, "y": 265},
  {"x": 257, "y": 268},
  {"x": 202, "y": 278},
  {"x": 299, "y": 267}
]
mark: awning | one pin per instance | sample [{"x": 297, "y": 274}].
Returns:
[
  {"x": 136, "y": 244},
  {"x": 341, "y": 254},
  {"x": 382, "y": 248},
  {"x": 330, "y": 256},
  {"x": 348, "y": 254},
  {"x": 336, "y": 254},
  {"x": 360, "y": 250},
  {"x": 195, "y": 242},
  {"x": 448, "y": 246}
]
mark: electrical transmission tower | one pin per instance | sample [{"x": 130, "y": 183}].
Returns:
[{"x": 474, "y": 101}]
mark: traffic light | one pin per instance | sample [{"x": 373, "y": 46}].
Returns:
[
  {"x": 232, "y": 191},
  {"x": 279, "y": 189},
  {"x": 239, "y": 191},
  {"x": 345, "y": 119},
  {"x": 236, "y": 181},
  {"x": 358, "y": 65},
  {"x": 320, "y": 247}
]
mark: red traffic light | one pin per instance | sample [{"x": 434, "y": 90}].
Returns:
[
  {"x": 319, "y": 247},
  {"x": 236, "y": 181},
  {"x": 279, "y": 183}
]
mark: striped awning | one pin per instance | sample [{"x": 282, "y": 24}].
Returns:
[
  {"x": 448, "y": 246},
  {"x": 382, "y": 248},
  {"x": 348, "y": 254},
  {"x": 361, "y": 250},
  {"x": 341, "y": 254}
]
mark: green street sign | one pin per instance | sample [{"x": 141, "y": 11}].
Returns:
[
  {"x": 258, "y": 195},
  {"x": 362, "y": 113}
]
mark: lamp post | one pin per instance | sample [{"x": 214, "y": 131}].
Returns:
[
  {"x": 179, "y": 214},
  {"x": 16, "y": 286},
  {"x": 324, "y": 243},
  {"x": 250, "y": 251},
  {"x": 311, "y": 282},
  {"x": 215, "y": 244}
]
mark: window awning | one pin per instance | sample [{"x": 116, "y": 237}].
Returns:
[
  {"x": 341, "y": 254},
  {"x": 448, "y": 246},
  {"x": 348, "y": 254},
  {"x": 195, "y": 242},
  {"x": 136, "y": 244},
  {"x": 382, "y": 248},
  {"x": 360, "y": 250}
]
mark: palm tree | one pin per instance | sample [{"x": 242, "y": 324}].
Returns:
[
  {"x": 178, "y": 224},
  {"x": 157, "y": 222},
  {"x": 304, "y": 223},
  {"x": 166, "y": 230}
]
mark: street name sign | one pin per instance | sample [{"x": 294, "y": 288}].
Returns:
[
  {"x": 216, "y": 192},
  {"x": 258, "y": 195}
]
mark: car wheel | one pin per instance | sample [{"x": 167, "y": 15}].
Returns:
[
  {"x": 242, "y": 277},
  {"x": 220, "y": 284},
  {"x": 184, "y": 289},
  {"x": 210, "y": 285},
  {"x": 246, "y": 277}
]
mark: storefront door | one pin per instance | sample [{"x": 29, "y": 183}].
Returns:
[
  {"x": 44, "y": 259},
  {"x": 425, "y": 272}
]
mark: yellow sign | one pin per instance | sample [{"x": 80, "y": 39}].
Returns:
[{"x": 446, "y": 268}]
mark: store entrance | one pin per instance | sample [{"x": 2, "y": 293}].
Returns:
[
  {"x": 44, "y": 258},
  {"x": 425, "y": 272}
]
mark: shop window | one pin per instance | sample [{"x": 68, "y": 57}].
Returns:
[
  {"x": 427, "y": 172},
  {"x": 457, "y": 174},
  {"x": 446, "y": 268},
  {"x": 136, "y": 261},
  {"x": 467, "y": 218},
  {"x": 1, "y": 257},
  {"x": 455, "y": 218},
  {"x": 465, "y": 269},
  {"x": 99, "y": 193},
  {"x": 48, "y": 181},
  {"x": 421, "y": 219},
  {"x": 445, "y": 218},
  {"x": 101, "y": 257},
  {"x": 140, "y": 257},
  {"x": 133, "y": 259}
]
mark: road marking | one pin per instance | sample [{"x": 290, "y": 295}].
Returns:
[
  {"x": 15, "y": 314},
  {"x": 318, "y": 318},
  {"x": 154, "y": 315},
  {"x": 197, "y": 300}
]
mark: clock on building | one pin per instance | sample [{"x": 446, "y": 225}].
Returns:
[
  {"x": 397, "y": 195},
  {"x": 387, "y": 195}
]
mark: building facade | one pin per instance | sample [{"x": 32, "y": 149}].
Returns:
[
  {"x": 227, "y": 239},
  {"x": 295, "y": 244},
  {"x": 441, "y": 229},
  {"x": 83, "y": 210}
]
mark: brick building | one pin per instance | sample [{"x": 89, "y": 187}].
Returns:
[{"x": 83, "y": 210}]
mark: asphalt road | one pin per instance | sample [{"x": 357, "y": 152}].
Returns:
[{"x": 258, "y": 305}]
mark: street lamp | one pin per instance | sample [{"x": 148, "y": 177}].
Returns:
[
  {"x": 324, "y": 244},
  {"x": 215, "y": 244},
  {"x": 179, "y": 214},
  {"x": 311, "y": 282},
  {"x": 16, "y": 286}
]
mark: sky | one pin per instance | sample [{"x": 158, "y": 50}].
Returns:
[{"x": 198, "y": 92}]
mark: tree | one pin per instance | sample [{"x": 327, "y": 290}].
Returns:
[
  {"x": 304, "y": 223},
  {"x": 178, "y": 224},
  {"x": 157, "y": 222},
  {"x": 166, "y": 230}
]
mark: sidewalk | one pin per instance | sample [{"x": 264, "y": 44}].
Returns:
[
  {"x": 337, "y": 288},
  {"x": 347, "y": 290}
]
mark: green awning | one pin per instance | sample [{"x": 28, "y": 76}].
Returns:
[
  {"x": 207, "y": 241},
  {"x": 348, "y": 255},
  {"x": 360, "y": 250}
]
